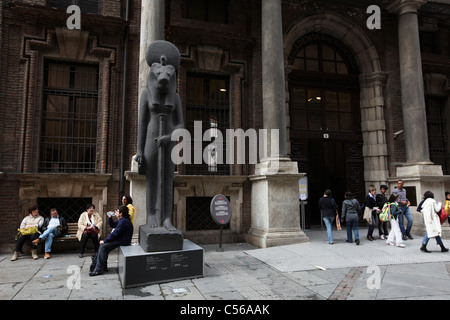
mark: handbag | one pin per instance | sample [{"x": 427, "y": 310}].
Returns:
[
  {"x": 338, "y": 223},
  {"x": 367, "y": 215},
  {"x": 443, "y": 215},
  {"x": 28, "y": 231},
  {"x": 91, "y": 231}
]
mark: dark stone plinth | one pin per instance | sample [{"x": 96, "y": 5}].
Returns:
[
  {"x": 160, "y": 239},
  {"x": 139, "y": 268}
]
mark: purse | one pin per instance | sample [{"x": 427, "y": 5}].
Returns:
[
  {"x": 28, "y": 231},
  {"x": 443, "y": 215},
  {"x": 367, "y": 215},
  {"x": 91, "y": 231}
]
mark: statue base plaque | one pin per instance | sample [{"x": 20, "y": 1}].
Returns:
[
  {"x": 138, "y": 268},
  {"x": 160, "y": 239}
]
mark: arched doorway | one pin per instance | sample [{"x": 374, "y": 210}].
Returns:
[{"x": 325, "y": 119}]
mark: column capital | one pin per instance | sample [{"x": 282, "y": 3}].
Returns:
[{"x": 405, "y": 6}]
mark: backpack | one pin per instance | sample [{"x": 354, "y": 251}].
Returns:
[{"x": 385, "y": 214}]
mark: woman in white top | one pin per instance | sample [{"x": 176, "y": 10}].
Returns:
[
  {"x": 430, "y": 210},
  {"x": 34, "y": 219},
  {"x": 89, "y": 227}
]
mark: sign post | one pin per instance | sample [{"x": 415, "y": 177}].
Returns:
[{"x": 221, "y": 213}]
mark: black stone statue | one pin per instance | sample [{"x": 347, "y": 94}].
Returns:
[{"x": 160, "y": 114}]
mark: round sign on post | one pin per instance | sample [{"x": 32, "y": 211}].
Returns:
[{"x": 221, "y": 213}]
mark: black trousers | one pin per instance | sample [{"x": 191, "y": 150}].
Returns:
[
  {"x": 21, "y": 240},
  {"x": 100, "y": 260},
  {"x": 84, "y": 240}
]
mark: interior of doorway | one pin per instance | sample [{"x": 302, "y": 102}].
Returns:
[{"x": 326, "y": 170}]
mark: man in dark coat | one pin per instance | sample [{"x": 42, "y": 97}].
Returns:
[{"x": 121, "y": 236}]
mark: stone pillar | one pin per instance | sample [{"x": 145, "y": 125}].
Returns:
[
  {"x": 413, "y": 99},
  {"x": 152, "y": 28},
  {"x": 418, "y": 171},
  {"x": 275, "y": 193}
]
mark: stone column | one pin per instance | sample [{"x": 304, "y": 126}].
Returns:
[
  {"x": 275, "y": 191},
  {"x": 152, "y": 28},
  {"x": 413, "y": 99},
  {"x": 418, "y": 172}
]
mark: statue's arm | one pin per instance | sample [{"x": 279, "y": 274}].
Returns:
[{"x": 178, "y": 118}]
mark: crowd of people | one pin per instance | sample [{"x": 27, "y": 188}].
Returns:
[
  {"x": 36, "y": 229},
  {"x": 396, "y": 208}
]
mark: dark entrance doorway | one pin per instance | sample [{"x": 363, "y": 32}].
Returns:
[{"x": 325, "y": 118}]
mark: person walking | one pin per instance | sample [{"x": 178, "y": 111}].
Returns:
[
  {"x": 395, "y": 236},
  {"x": 328, "y": 208},
  {"x": 350, "y": 215},
  {"x": 404, "y": 204},
  {"x": 430, "y": 210},
  {"x": 381, "y": 199}
]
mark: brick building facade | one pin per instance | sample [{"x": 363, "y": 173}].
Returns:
[{"x": 343, "y": 98}]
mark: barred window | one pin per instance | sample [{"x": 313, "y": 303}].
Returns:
[
  {"x": 69, "y": 208},
  {"x": 69, "y": 118},
  {"x": 215, "y": 11},
  {"x": 86, "y": 6},
  {"x": 207, "y": 101}
]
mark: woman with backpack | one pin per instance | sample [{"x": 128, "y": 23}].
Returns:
[
  {"x": 350, "y": 215},
  {"x": 396, "y": 234}
]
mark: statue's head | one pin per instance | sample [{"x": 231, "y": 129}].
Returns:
[{"x": 164, "y": 53}]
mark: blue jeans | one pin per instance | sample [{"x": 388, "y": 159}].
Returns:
[
  {"x": 405, "y": 213},
  {"x": 48, "y": 236},
  {"x": 352, "y": 226},
  {"x": 329, "y": 224},
  {"x": 438, "y": 240}
]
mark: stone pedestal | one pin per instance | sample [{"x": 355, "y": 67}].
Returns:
[
  {"x": 275, "y": 205},
  {"x": 160, "y": 239},
  {"x": 139, "y": 268},
  {"x": 423, "y": 177}
]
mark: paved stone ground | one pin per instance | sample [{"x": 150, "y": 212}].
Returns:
[{"x": 372, "y": 271}]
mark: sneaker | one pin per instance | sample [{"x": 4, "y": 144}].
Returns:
[
  {"x": 389, "y": 243},
  {"x": 382, "y": 237},
  {"x": 400, "y": 245}
]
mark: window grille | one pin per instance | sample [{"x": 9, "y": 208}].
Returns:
[
  {"x": 198, "y": 214},
  {"x": 87, "y": 6},
  {"x": 208, "y": 102},
  {"x": 438, "y": 134},
  {"x": 69, "y": 208},
  {"x": 215, "y": 11},
  {"x": 69, "y": 118}
]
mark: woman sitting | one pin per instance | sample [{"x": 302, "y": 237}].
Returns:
[
  {"x": 31, "y": 221},
  {"x": 89, "y": 227}
]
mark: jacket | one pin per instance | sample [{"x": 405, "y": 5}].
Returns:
[
  {"x": 122, "y": 233},
  {"x": 350, "y": 210},
  {"x": 430, "y": 209},
  {"x": 370, "y": 202},
  {"x": 83, "y": 222},
  {"x": 62, "y": 223},
  {"x": 328, "y": 207},
  {"x": 395, "y": 210}
]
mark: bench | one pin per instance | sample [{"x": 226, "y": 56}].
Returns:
[{"x": 71, "y": 234}]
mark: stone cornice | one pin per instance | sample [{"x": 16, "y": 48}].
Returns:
[{"x": 405, "y": 6}]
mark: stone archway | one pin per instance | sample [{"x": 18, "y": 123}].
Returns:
[{"x": 372, "y": 81}]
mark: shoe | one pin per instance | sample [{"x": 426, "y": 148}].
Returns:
[
  {"x": 357, "y": 242},
  {"x": 389, "y": 243},
  {"x": 382, "y": 237},
  {"x": 370, "y": 238},
  {"x": 15, "y": 256},
  {"x": 37, "y": 241},
  {"x": 47, "y": 255},
  {"x": 404, "y": 237},
  {"x": 34, "y": 254},
  {"x": 80, "y": 255},
  {"x": 400, "y": 245},
  {"x": 424, "y": 249},
  {"x": 95, "y": 273},
  {"x": 409, "y": 236},
  {"x": 443, "y": 249}
]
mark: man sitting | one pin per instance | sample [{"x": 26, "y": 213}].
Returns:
[
  {"x": 54, "y": 226},
  {"x": 120, "y": 236}
]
